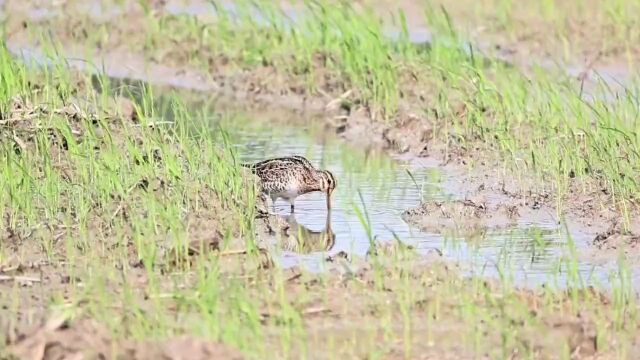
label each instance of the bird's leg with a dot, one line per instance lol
(273, 203)
(293, 206)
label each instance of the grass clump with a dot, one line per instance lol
(95, 189)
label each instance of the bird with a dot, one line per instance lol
(291, 176)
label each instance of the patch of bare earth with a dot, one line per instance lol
(461, 216)
(619, 236)
(59, 338)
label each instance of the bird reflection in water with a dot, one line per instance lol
(298, 238)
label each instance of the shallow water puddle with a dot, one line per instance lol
(371, 184)
(373, 192)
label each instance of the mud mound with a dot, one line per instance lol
(618, 236)
(84, 339)
(461, 215)
(410, 134)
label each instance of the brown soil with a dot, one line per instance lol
(619, 236)
(58, 339)
(461, 216)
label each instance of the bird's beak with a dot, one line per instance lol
(328, 199)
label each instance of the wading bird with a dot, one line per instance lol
(291, 176)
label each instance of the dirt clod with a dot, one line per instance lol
(461, 215)
(619, 236)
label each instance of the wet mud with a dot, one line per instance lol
(619, 236)
(462, 216)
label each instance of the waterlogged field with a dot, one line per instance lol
(486, 203)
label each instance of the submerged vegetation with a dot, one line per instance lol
(125, 206)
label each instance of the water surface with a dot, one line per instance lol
(374, 190)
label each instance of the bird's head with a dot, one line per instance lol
(327, 184)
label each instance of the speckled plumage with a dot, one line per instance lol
(291, 176)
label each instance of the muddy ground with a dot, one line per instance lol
(59, 338)
(493, 198)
